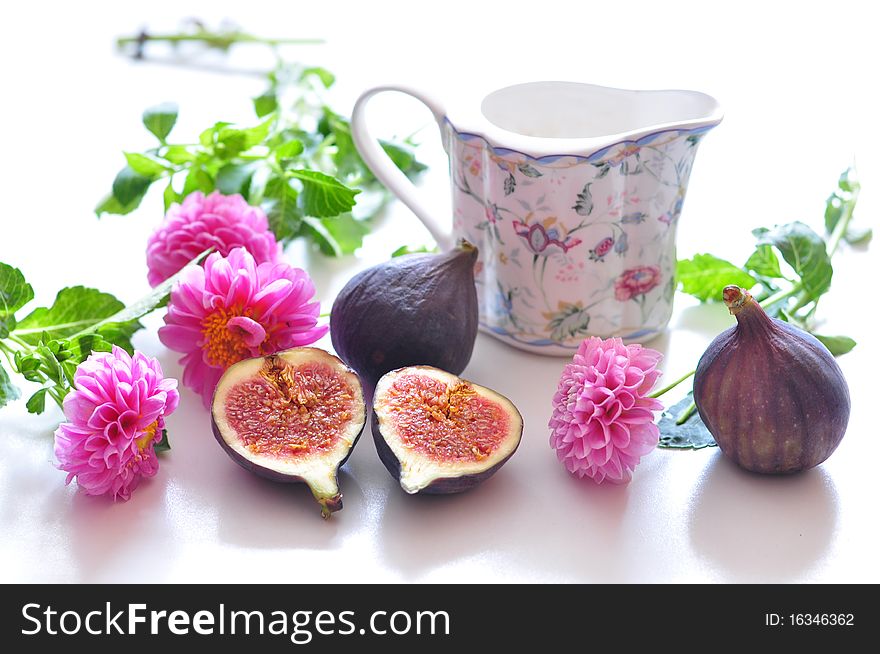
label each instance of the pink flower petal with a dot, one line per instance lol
(602, 421)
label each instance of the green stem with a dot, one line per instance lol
(781, 295)
(8, 353)
(830, 247)
(686, 414)
(213, 39)
(15, 339)
(59, 399)
(665, 389)
(842, 225)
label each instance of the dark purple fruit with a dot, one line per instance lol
(771, 394)
(437, 433)
(291, 417)
(411, 310)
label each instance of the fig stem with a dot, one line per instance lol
(329, 505)
(669, 387)
(686, 414)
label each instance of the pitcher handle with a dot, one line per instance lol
(387, 172)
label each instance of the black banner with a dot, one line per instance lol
(323, 618)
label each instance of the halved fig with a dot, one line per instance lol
(437, 433)
(291, 417)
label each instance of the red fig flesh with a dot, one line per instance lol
(771, 394)
(437, 433)
(291, 417)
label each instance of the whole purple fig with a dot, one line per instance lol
(417, 309)
(771, 394)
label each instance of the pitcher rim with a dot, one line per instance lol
(591, 156)
(468, 124)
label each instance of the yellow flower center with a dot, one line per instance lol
(224, 346)
(149, 435)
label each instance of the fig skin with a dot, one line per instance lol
(771, 394)
(445, 485)
(325, 488)
(442, 485)
(414, 309)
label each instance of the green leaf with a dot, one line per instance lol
(348, 161)
(322, 238)
(691, 435)
(15, 292)
(110, 333)
(834, 207)
(206, 138)
(843, 202)
(170, 196)
(410, 249)
(75, 309)
(234, 178)
(145, 165)
(837, 345)
(258, 133)
(849, 182)
(324, 196)
(50, 366)
(327, 78)
(347, 231)
(130, 186)
(404, 158)
(197, 179)
(336, 237)
(179, 154)
(8, 390)
(160, 119)
(37, 401)
(151, 301)
(764, 262)
(803, 250)
(288, 150)
(163, 445)
(705, 276)
(265, 103)
(80, 347)
(282, 208)
(232, 141)
(112, 206)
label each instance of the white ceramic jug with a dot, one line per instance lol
(572, 193)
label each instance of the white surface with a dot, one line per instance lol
(799, 93)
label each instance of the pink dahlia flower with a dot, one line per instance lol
(220, 221)
(233, 309)
(602, 422)
(116, 415)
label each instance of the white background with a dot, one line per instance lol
(799, 86)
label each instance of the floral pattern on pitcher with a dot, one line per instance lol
(572, 246)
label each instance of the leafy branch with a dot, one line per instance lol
(46, 345)
(298, 162)
(222, 39)
(792, 294)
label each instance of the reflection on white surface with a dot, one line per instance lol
(762, 528)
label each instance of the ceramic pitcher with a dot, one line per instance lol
(572, 193)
